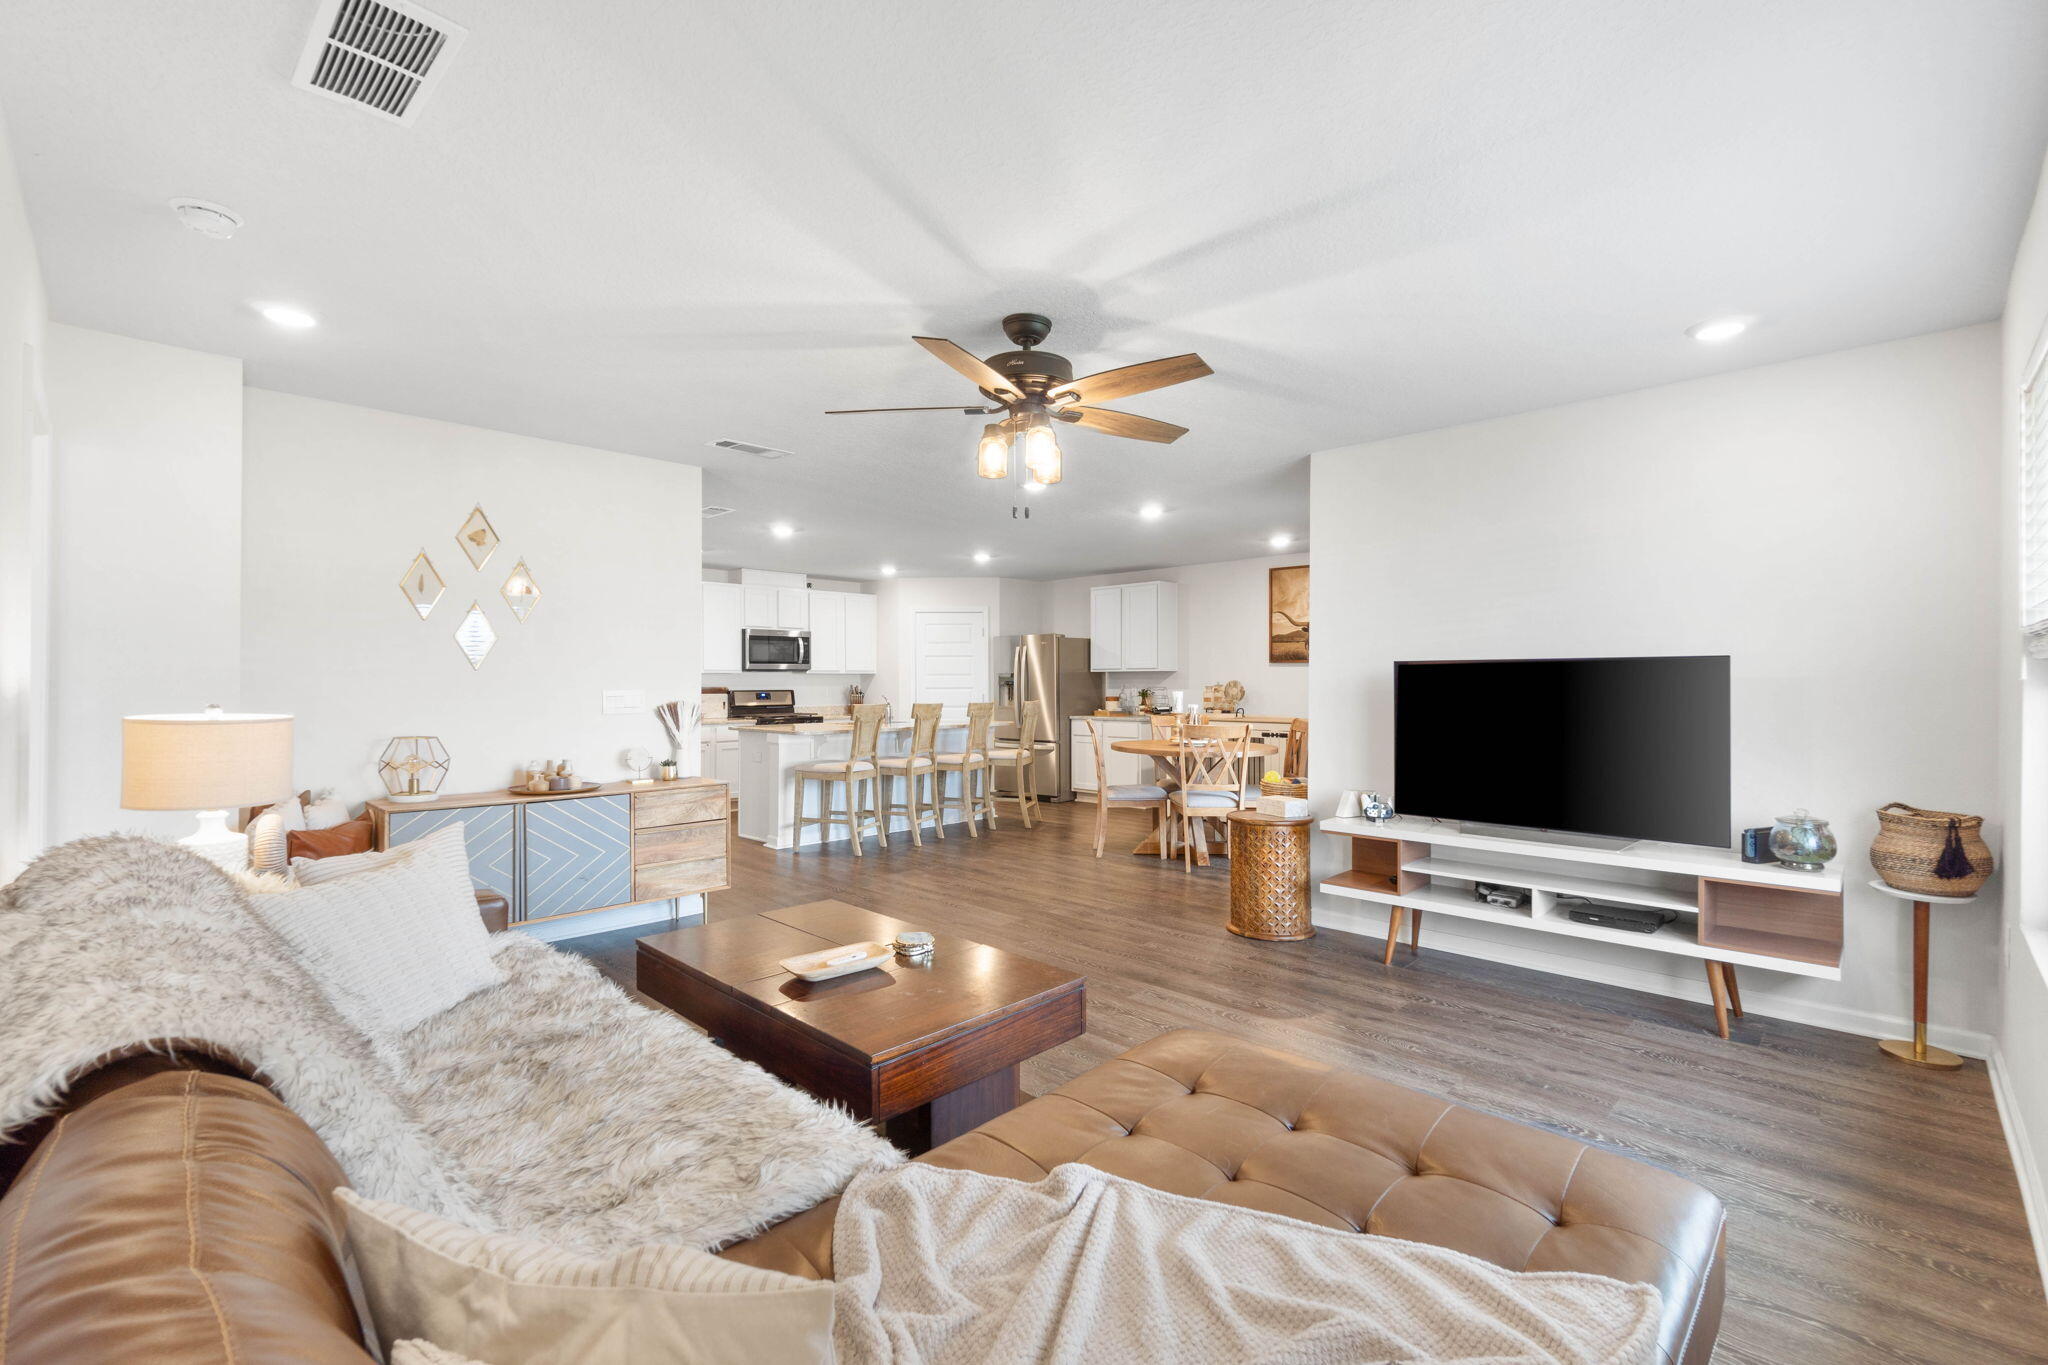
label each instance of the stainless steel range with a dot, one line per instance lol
(767, 706)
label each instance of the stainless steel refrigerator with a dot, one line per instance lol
(1052, 669)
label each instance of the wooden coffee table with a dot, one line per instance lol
(927, 1051)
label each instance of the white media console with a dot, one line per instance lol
(1729, 913)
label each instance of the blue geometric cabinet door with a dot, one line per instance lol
(579, 854)
(486, 831)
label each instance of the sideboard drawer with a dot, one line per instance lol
(658, 881)
(678, 808)
(679, 843)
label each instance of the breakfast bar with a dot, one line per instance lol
(769, 754)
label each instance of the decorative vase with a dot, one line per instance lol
(1930, 852)
(1802, 841)
(1348, 806)
(1376, 808)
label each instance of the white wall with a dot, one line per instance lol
(146, 549)
(1222, 631)
(338, 501)
(2021, 1070)
(1822, 522)
(24, 562)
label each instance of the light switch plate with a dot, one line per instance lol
(624, 703)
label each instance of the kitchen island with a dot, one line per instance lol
(769, 755)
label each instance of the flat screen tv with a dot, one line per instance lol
(1628, 748)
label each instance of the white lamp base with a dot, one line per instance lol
(216, 843)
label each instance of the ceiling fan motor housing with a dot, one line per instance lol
(1033, 372)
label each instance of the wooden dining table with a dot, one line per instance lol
(1165, 756)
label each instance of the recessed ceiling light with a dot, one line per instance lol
(217, 221)
(888, 571)
(285, 315)
(1151, 511)
(1280, 540)
(1716, 330)
(782, 530)
(982, 556)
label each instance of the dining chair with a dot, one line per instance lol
(1294, 763)
(1212, 778)
(917, 769)
(1022, 760)
(1128, 796)
(858, 769)
(971, 766)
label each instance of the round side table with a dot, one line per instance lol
(1917, 1051)
(1269, 876)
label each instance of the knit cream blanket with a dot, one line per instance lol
(947, 1267)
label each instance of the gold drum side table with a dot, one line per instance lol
(1269, 876)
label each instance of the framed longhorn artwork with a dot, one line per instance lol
(1287, 614)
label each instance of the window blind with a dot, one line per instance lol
(2034, 501)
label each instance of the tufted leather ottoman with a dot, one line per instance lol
(1201, 1114)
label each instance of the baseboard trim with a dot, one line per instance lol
(605, 921)
(1357, 918)
(2033, 1189)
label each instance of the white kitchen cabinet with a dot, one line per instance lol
(1105, 629)
(718, 754)
(1134, 628)
(759, 606)
(828, 632)
(724, 617)
(792, 608)
(862, 633)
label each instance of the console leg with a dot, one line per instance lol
(1719, 986)
(1415, 932)
(1734, 991)
(1394, 915)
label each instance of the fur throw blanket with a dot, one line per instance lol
(552, 1105)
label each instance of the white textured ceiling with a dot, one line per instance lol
(644, 225)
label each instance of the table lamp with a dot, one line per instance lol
(206, 762)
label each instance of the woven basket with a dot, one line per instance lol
(1295, 789)
(1931, 852)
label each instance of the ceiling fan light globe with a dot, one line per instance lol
(1042, 459)
(992, 456)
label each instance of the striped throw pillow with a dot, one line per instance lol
(496, 1297)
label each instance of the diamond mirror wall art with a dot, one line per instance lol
(474, 637)
(422, 585)
(520, 592)
(477, 537)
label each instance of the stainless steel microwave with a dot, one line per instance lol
(775, 651)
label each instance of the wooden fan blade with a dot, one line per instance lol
(1123, 424)
(1139, 378)
(946, 407)
(965, 363)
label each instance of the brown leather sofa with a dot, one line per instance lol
(177, 1211)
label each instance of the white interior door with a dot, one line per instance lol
(951, 666)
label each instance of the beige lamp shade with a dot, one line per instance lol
(205, 761)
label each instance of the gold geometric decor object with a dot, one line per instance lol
(474, 637)
(520, 592)
(413, 767)
(422, 584)
(477, 537)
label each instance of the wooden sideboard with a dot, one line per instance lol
(555, 856)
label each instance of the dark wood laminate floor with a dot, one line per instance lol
(1874, 1215)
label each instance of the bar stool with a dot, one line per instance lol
(857, 768)
(972, 766)
(915, 769)
(1023, 759)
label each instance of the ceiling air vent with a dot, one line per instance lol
(713, 510)
(380, 55)
(749, 448)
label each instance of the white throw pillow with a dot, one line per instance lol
(395, 945)
(521, 1302)
(267, 843)
(313, 871)
(323, 811)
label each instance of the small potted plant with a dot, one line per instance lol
(1144, 699)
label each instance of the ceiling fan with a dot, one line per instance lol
(1035, 389)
